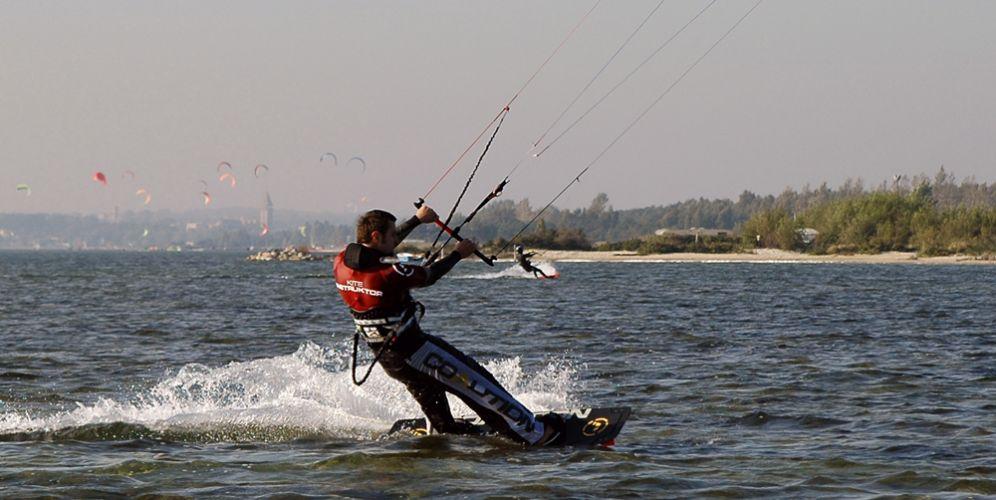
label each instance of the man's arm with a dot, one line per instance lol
(406, 227)
(464, 249)
(439, 268)
(420, 277)
(425, 276)
(424, 214)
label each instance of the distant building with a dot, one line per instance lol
(807, 235)
(230, 224)
(266, 213)
(695, 231)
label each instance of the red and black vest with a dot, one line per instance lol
(379, 294)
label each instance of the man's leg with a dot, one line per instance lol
(427, 391)
(540, 271)
(476, 387)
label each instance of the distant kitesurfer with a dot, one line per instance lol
(523, 260)
(377, 290)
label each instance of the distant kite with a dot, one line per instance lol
(256, 171)
(227, 176)
(202, 181)
(265, 231)
(128, 173)
(361, 161)
(145, 233)
(144, 192)
(24, 188)
(100, 177)
(334, 158)
(207, 198)
(224, 165)
(303, 230)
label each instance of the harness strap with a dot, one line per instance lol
(402, 323)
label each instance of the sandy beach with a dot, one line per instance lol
(761, 255)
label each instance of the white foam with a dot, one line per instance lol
(309, 390)
(513, 272)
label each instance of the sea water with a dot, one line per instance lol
(206, 375)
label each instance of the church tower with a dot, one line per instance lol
(266, 212)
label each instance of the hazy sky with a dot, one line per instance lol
(802, 92)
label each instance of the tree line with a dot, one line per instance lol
(933, 215)
(921, 220)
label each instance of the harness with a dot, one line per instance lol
(383, 331)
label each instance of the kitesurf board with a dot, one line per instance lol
(582, 427)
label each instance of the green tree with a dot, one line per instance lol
(775, 228)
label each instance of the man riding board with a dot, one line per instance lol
(523, 260)
(377, 290)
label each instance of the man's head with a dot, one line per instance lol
(519, 248)
(375, 229)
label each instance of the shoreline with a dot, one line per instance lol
(760, 256)
(765, 255)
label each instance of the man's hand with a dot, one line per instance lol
(426, 214)
(466, 248)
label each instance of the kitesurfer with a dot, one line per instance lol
(523, 260)
(376, 287)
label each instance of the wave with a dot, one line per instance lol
(304, 395)
(763, 419)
